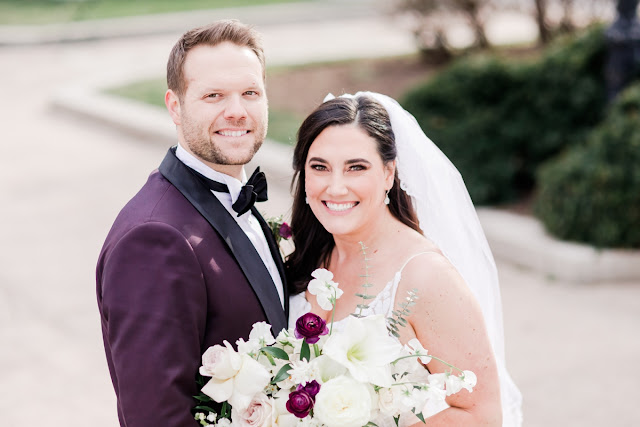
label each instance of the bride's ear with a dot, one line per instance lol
(389, 173)
(172, 102)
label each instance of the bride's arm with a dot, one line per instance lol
(449, 323)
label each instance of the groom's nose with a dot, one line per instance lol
(234, 108)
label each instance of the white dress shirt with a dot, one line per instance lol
(247, 222)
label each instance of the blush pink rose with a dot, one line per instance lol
(260, 413)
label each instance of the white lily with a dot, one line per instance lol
(365, 349)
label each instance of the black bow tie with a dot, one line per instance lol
(255, 190)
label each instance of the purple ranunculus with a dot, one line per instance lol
(311, 326)
(285, 231)
(300, 403)
(311, 387)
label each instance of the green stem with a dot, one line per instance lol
(448, 364)
(316, 350)
(433, 357)
(333, 312)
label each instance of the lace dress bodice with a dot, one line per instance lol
(384, 304)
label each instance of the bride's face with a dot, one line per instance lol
(346, 180)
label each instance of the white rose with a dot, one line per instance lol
(400, 399)
(387, 402)
(343, 402)
(261, 412)
(238, 390)
(220, 362)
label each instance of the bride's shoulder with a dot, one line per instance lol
(431, 271)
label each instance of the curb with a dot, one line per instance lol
(179, 22)
(522, 240)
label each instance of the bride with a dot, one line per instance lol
(365, 172)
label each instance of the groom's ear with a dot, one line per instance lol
(172, 101)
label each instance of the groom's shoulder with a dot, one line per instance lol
(157, 201)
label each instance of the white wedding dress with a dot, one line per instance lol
(383, 303)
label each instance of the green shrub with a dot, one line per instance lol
(497, 121)
(458, 110)
(591, 194)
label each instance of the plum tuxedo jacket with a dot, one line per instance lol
(175, 276)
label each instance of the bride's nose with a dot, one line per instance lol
(337, 185)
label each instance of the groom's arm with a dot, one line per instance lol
(154, 305)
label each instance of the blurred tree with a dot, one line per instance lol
(430, 31)
(541, 19)
(563, 15)
(566, 22)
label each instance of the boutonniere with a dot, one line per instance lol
(280, 230)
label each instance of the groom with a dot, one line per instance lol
(189, 262)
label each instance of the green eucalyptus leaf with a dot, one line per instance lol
(282, 374)
(276, 352)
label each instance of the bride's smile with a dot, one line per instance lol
(339, 207)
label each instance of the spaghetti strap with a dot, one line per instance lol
(396, 281)
(412, 257)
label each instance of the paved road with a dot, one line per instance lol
(63, 180)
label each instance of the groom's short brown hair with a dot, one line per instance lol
(227, 30)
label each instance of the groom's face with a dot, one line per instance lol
(222, 116)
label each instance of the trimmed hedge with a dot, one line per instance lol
(591, 194)
(497, 121)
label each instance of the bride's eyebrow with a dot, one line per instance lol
(316, 159)
(352, 161)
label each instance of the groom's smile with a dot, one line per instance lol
(232, 133)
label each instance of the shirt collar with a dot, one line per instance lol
(196, 164)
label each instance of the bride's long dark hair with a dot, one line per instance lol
(314, 244)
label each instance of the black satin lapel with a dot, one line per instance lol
(243, 250)
(275, 253)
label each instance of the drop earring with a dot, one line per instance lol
(386, 197)
(306, 199)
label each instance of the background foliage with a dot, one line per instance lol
(498, 121)
(591, 193)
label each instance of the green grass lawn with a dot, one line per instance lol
(20, 12)
(283, 125)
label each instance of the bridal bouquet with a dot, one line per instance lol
(311, 375)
